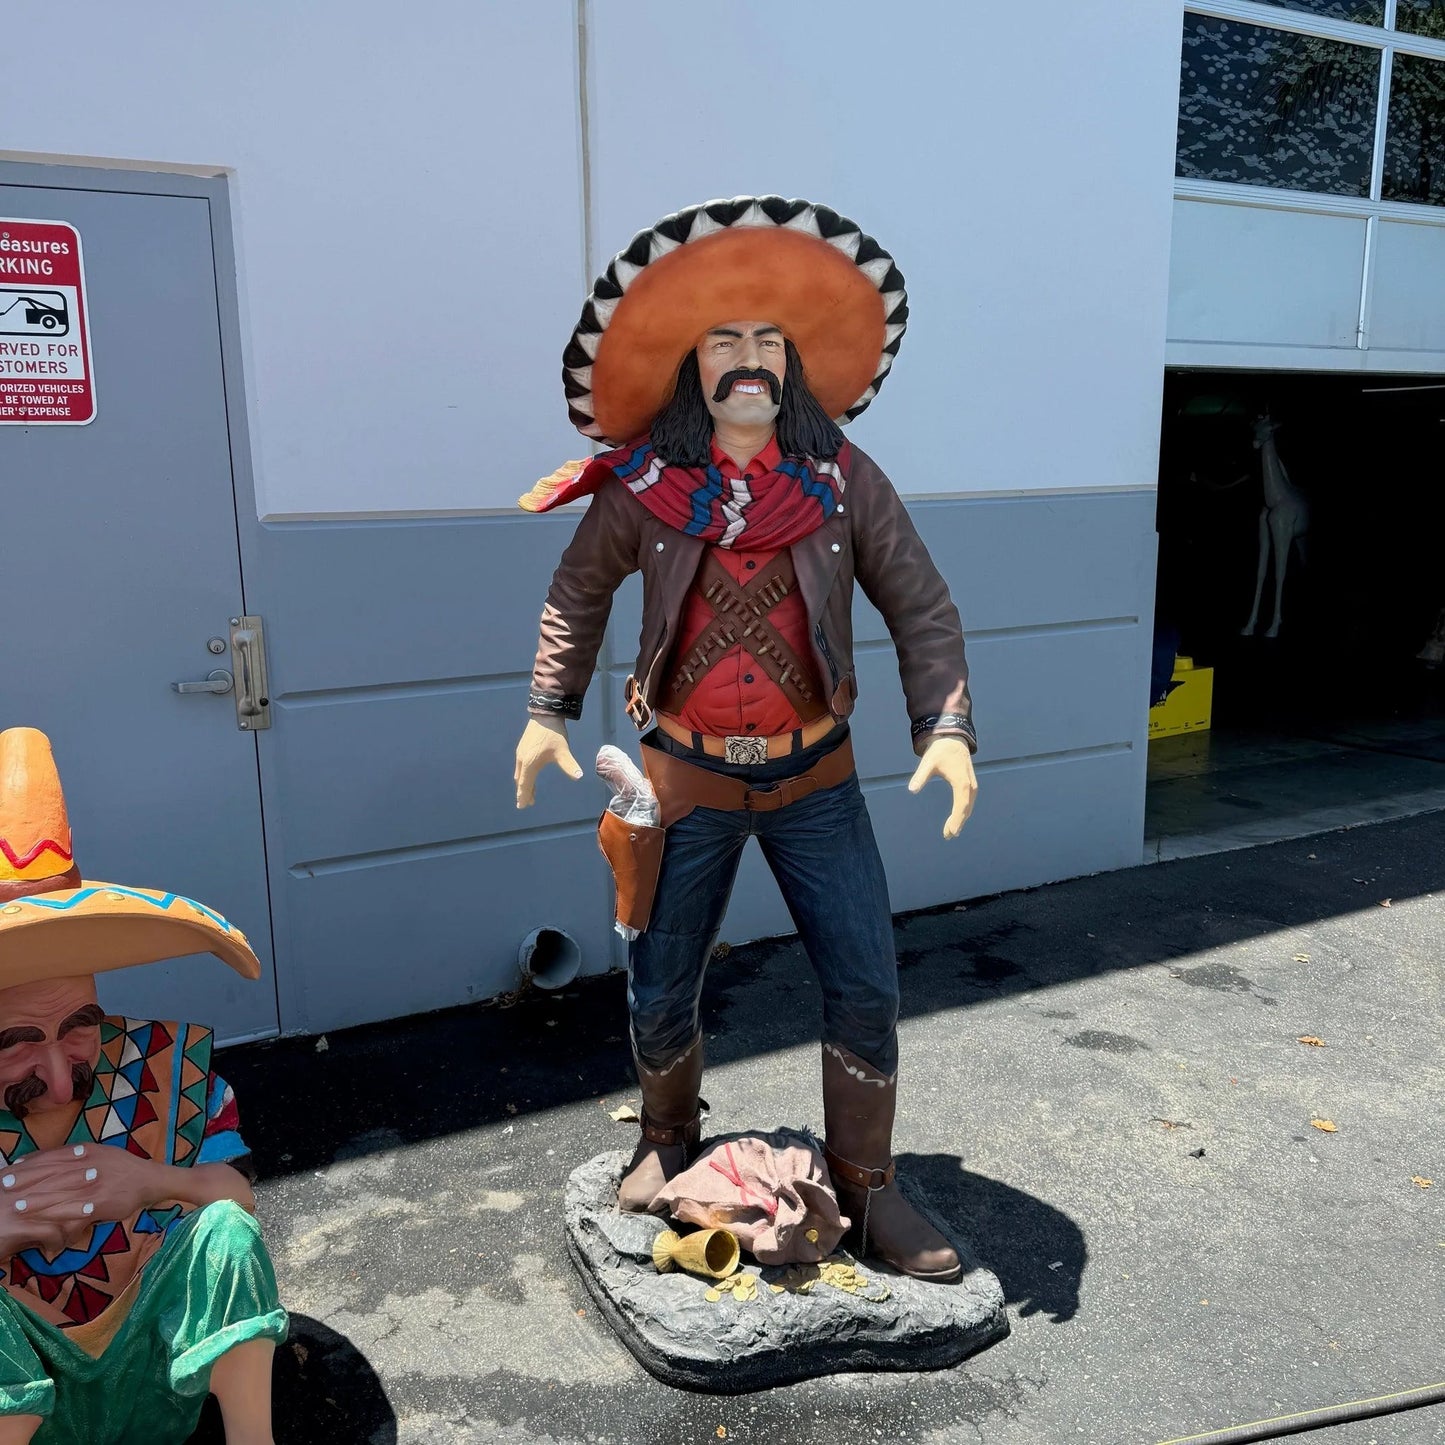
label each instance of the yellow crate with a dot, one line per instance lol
(1187, 709)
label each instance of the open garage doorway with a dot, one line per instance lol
(1330, 711)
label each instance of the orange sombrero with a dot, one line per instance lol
(53, 924)
(834, 290)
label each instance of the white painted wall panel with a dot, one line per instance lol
(1254, 276)
(407, 196)
(408, 205)
(1408, 307)
(1020, 174)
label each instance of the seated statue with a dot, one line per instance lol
(135, 1279)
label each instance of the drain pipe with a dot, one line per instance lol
(550, 958)
(1297, 1424)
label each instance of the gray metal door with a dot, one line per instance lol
(119, 561)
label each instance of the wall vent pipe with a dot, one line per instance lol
(550, 958)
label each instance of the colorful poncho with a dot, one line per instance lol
(154, 1094)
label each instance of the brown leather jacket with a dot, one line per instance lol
(870, 537)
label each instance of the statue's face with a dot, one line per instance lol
(49, 1044)
(742, 364)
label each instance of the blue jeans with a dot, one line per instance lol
(822, 852)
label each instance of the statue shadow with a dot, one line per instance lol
(1037, 1251)
(322, 1388)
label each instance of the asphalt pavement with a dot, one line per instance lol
(1191, 1114)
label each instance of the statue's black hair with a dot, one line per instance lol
(682, 432)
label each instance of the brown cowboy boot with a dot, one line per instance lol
(858, 1105)
(671, 1126)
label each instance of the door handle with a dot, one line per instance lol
(219, 681)
(249, 700)
(248, 657)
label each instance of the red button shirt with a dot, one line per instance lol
(735, 697)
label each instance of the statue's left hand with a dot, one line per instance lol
(949, 759)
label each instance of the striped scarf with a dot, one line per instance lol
(773, 511)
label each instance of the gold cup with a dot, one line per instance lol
(712, 1253)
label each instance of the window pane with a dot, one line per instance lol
(1362, 12)
(1415, 135)
(1267, 108)
(1422, 17)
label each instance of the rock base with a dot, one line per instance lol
(730, 1346)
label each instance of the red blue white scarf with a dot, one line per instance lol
(777, 510)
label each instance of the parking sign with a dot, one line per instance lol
(45, 368)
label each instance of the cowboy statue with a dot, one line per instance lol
(135, 1280)
(717, 356)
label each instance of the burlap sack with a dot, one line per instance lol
(770, 1190)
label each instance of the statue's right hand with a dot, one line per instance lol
(25, 1228)
(544, 741)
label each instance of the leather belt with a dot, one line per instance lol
(780, 745)
(682, 786)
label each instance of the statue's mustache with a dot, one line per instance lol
(749, 373)
(20, 1096)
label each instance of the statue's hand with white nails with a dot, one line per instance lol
(22, 1227)
(52, 1198)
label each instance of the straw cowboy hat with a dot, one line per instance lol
(53, 924)
(834, 291)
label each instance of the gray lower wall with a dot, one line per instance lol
(403, 878)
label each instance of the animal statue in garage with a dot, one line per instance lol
(134, 1276)
(1284, 521)
(714, 359)
(1433, 652)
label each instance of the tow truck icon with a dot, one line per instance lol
(32, 313)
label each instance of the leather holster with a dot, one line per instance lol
(634, 851)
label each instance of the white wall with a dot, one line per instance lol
(1020, 174)
(407, 203)
(407, 188)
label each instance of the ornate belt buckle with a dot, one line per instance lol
(745, 750)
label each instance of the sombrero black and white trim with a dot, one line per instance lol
(698, 222)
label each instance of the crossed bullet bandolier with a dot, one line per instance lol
(743, 617)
